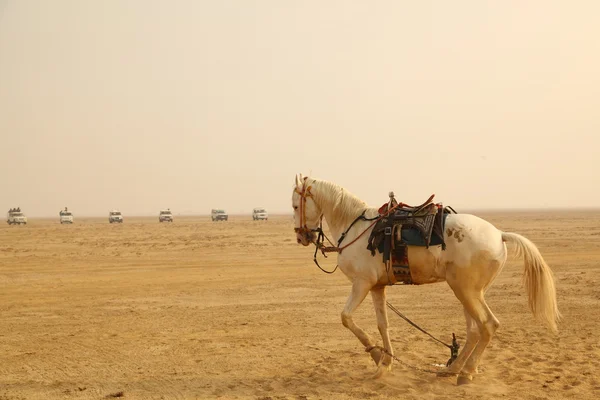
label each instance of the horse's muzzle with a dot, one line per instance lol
(305, 238)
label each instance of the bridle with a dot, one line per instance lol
(303, 229)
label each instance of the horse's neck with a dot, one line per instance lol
(340, 208)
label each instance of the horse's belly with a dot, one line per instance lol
(425, 265)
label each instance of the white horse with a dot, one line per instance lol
(475, 253)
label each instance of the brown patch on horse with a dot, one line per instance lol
(458, 235)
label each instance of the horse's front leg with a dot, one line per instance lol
(360, 289)
(378, 296)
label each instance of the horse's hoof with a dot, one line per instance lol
(382, 371)
(464, 379)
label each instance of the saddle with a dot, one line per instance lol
(406, 225)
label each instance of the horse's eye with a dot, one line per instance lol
(295, 207)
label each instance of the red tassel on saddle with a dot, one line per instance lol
(383, 209)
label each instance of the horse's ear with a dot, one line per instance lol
(298, 180)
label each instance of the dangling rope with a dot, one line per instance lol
(453, 347)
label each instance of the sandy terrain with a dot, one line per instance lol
(195, 310)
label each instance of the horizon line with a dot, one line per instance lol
(466, 211)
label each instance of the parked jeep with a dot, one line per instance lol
(260, 213)
(16, 217)
(165, 216)
(115, 216)
(66, 217)
(218, 215)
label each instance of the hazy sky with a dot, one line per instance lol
(140, 105)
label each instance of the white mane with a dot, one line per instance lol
(342, 206)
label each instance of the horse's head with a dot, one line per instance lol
(307, 214)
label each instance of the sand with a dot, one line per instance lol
(237, 310)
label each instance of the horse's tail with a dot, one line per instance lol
(538, 279)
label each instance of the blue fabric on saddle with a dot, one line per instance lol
(412, 237)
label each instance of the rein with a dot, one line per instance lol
(338, 249)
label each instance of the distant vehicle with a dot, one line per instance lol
(115, 217)
(260, 213)
(66, 217)
(165, 216)
(16, 217)
(218, 215)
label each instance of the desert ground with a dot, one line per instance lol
(237, 310)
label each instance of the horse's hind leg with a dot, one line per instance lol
(359, 292)
(378, 296)
(489, 326)
(487, 323)
(473, 336)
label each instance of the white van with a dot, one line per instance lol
(218, 215)
(16, 217)
(115, 216)
(66, 217)
(260, 213)
(165, 216)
